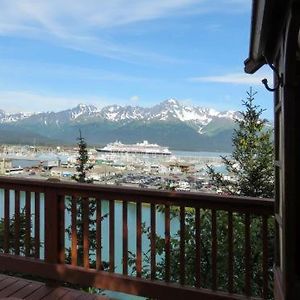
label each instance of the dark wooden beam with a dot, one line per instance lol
(259, 206)
(110, 281)
(267, 24)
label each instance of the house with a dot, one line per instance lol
(5, 164)
(275, 42)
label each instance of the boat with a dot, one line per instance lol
(183, 186)
(139, 148)
(12, 171)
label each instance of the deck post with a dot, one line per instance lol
(53, 221)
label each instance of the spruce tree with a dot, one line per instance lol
(82, 165)
(250, 165)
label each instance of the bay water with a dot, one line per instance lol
(160, 227)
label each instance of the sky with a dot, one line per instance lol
(56, 54)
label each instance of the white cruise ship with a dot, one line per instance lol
(139, 148)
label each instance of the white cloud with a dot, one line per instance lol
(134, 99)
(61, 17)
(62, 71)
(234, 78)
(16, 101)
(79, 24)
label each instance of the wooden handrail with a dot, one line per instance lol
(54, 194)
(190, 199)
(127, 284)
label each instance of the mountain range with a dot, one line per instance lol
(169, 123)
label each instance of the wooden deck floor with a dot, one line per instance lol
(15, 288)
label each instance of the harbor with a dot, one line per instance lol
(141, 165)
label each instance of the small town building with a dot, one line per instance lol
(5, 164)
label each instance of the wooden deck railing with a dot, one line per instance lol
(216, 247)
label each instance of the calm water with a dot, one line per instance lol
(199, 154)
(105, 223)
(35, 162)
(105, 229)
(118, 214)
(25, 163)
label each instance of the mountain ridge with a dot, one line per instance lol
(168, 110)
(167, 122)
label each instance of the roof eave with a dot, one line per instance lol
(252, 65)
(256, 59)
(266, 25)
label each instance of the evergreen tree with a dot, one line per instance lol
(22, 234)
(251, 162)
(83, 165)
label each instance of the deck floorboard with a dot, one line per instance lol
(12, 289)
(19, 288)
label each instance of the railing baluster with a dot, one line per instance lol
(53, 241)
(138, 240)
(74, 253)
(153, 241)
(27, 223)
(54, 244)
(6, 221)
(230, 253)
(86, 246)
(214, 246)
(182, 245)
(167, 243)
(198, 248)
(111, 236)
(37, 225)
(61, 228)
(98, 235)
(55, 234)
(265, 256)
(17, 222)
(51, 226)
(125, 238)
(247, 256)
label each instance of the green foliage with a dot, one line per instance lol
(251, 161)
(11, 234)
(252, 166)
(83, 165)
(216, 135)
(79, 230)
(206, 251)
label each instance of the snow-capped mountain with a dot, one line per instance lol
(166, 123)
(169, 110)
(172, 109)
(62, 117)
(14, 117)
(117, 113)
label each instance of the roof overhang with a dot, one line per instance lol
(266, 25)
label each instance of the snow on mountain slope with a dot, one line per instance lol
(15, 117)
(169, 110)
(117, 113)
(81, 110)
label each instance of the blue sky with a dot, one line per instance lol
(56, 54)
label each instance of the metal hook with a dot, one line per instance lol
(278, 80)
